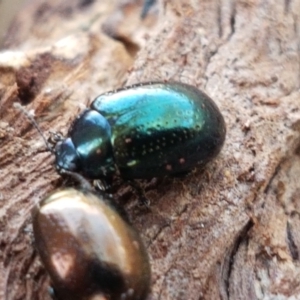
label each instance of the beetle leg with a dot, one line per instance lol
(101, 185)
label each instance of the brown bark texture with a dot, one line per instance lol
(230, 231)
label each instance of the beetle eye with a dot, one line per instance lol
(66, 155)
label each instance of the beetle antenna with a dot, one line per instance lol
(34, 123)
(84, 184)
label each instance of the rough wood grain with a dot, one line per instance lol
(228, 232)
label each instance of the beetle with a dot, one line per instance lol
(143, 131)
(89, 248)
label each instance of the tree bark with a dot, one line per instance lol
(227, 232)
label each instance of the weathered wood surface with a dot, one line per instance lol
(230, 232)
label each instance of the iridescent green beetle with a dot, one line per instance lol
(143, 131)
